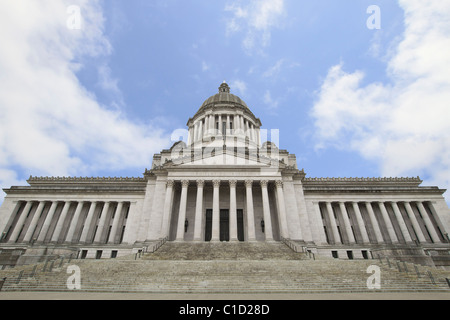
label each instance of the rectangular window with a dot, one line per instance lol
(98, 255)
(334, 254)
(113, 254)
(350, 255)
(365, 255)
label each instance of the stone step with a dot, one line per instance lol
(225, 251)
(253, 276)
(223, 268)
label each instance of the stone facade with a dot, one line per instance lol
(225, 185)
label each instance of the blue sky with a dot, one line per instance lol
(101, 99)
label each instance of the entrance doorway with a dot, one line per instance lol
(208, 225)
(224, 225)
(240, 224)
(224, 232)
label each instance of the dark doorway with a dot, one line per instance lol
(224, 225)
(240, 224)
(208, 225)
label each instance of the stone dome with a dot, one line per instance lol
(224, 96)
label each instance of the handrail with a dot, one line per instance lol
(398, 262)
(153, 248)
(298, 248)
(47, 266)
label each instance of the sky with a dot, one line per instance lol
(356, 88)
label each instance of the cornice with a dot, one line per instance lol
(383, 180)
(83, 180)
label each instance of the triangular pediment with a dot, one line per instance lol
(224, 158)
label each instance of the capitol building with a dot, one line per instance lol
(224, 183)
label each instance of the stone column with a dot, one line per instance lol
(200, 131)
(47, 222)
(414, 222)
(182, 212)
(266, 211)
(23, 216)
(334, 227)
(88, 222)
(437, 218)
(361, 225)
(228, 125)
(233, 211)
(282, 209)
(165, 226)
(196, 132)
(115, 224)
(60, 224)
(250, 211)
(206, 129)
(348, 226)
(374, 222)
(34, 221)
(258, 136)
(73, 224)
(388, 222)
(401, 222)
(428, 223)
(199, 211)
(101, 224)
(216, 212)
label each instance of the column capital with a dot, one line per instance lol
(216, 183)
(200, 183)
(279, 183)
(264, 183)
(185, 183)
(233, 183)
(248, 183)
(170, 183)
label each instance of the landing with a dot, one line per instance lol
(225, 251)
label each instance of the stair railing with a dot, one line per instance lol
(401, 263)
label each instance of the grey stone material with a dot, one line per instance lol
(225, 184)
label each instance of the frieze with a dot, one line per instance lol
(416, 180)
(84, 179)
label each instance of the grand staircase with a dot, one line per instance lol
(225, 268)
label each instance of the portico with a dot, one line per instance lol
(225, 210)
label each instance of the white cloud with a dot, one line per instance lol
(256, 18)
(272, 104)
(49, 123)
(240, 86)
(404, 126)
(274, 70)
(205, 66)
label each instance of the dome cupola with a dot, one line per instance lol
(224, 115)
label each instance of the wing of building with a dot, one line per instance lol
(223, 184)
